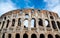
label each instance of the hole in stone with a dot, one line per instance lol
(50, 36)
(42, 36)
(47, 24)
(40, 22)
(25, 23)
(33, 36)
(26, 16)
(33, 23)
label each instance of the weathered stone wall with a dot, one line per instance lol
(9, 24)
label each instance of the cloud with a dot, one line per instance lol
(28, 2)
(27, 6)
(53, 5)
(6, 6)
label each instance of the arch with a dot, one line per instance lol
(25, 36)
(50, 36)
(7, 23)
(58, 23)
(32, 11)
(57, 36)
(26, 16)
(53, 24)
(4, 18)
(26, 23)
(19, 22)
(3, 36)
(33, 22)
(13, 22)
(33, 36)
(21, 12)
(42, 36)
(9, 35)
(47, 23)
(40, 22)
(17, 36)
(51, 17)
(0, 23)
(38, 11)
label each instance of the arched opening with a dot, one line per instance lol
(42, 36)
(57, 36)
(7, 23)
(21, 12)
(40, 22)
(33, 23)
(17, 36)
(9, 35)
(25, 36)
(50, 36)
(26, 16)
(13, 22)
(32, 11)
(51, 17)
(19, 22)
(4, 18)
(58, 23)
(38, 11)
(3, 36)
(53, 25)
(0, 23)
(47, 24)
(26, 23)
(33, 36)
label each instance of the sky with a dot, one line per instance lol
(50, 5)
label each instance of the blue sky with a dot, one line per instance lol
(29, 3)
(8, 5)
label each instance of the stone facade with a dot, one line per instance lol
(41, 24)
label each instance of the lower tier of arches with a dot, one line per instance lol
(29, 35)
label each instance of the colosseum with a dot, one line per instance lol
(29, 23)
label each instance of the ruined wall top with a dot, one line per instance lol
(30, 11)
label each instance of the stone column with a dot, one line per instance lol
(51, 25)
(54, 36)
(46, 36)
(22, 24)
(29, 36)
(1, 35)
(44, 25)
(6, 35)
(21, 35)
(43, 22)
(29, 24)
(1, 24)
(37, 26)
(38, 36)
(13, 35)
